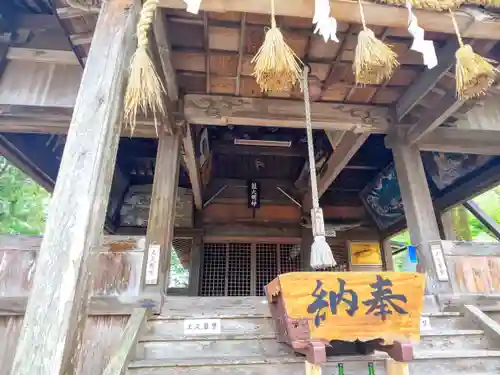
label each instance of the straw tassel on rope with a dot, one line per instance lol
(474, 74)
(374, 61)
(277, 67)
(144, 89)
(321, 254)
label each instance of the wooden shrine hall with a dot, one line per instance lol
(218, 188)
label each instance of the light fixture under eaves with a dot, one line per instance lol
(259, 142)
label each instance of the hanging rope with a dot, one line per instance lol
(321, 254)
(145, 90)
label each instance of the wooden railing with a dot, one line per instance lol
(460, 272)
(119, 361)
(117, 272)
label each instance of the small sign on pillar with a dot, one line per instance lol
(153, 264)
(253, 194)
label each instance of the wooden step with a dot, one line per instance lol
(156, 347)
(241, 325)
(177, 307)
(477, 362)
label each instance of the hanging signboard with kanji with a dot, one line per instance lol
(351, 306)
(253, 194)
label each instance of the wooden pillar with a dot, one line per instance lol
(418, 206)
(387, 260)
(447, 225)
(55, 315)
(305, 249)
(160, 230)
(420, 216)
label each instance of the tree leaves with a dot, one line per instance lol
(23, 203)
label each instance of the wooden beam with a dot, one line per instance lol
(483, 217)
(54, 120)
(192, 166)
(81, 38)
(348, 12)
(165, 52)
(42, 56)
(427, 80)
(347, 148)
(160, 229)
(464, 141)
(56, 313)
(470, 188)
(118, 363)
(335, 137)
(434, 117)
(227, 110)
(419, 209)
(232, 149)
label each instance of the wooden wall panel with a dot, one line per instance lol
(40, 84)
(472, 274)
(118, 265)
(101, 339)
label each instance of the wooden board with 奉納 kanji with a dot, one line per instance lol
(351, 306)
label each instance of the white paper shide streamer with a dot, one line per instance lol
(425, 47)
(326, 25)
(193, 6)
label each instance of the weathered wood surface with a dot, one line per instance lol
(100, 340)
(419, 210)
(466, 141)
(482, 117)
(471, 249)
(347, 11)
(162, 214)
(40, 84)
(137, 201)
(483, 321)
(346, 149)
(427, 80)
(192, 165)
(348, 314)
(118, 263)
(440, 362)
(226, 110)
(125, 351)
(56, 314)
(474, 274)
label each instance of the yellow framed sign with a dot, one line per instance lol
(365, 253)
(353, 306)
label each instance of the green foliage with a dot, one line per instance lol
(23, 203)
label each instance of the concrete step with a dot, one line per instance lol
(484, 362)
(241, 324)
(156, 347)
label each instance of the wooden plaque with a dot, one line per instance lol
(353, 306)
(365, 253)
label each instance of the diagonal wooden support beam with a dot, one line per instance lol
(55, 316)
(165, 51)
(192, 166)
(427, 80)
(434, 117)
(346, 149)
